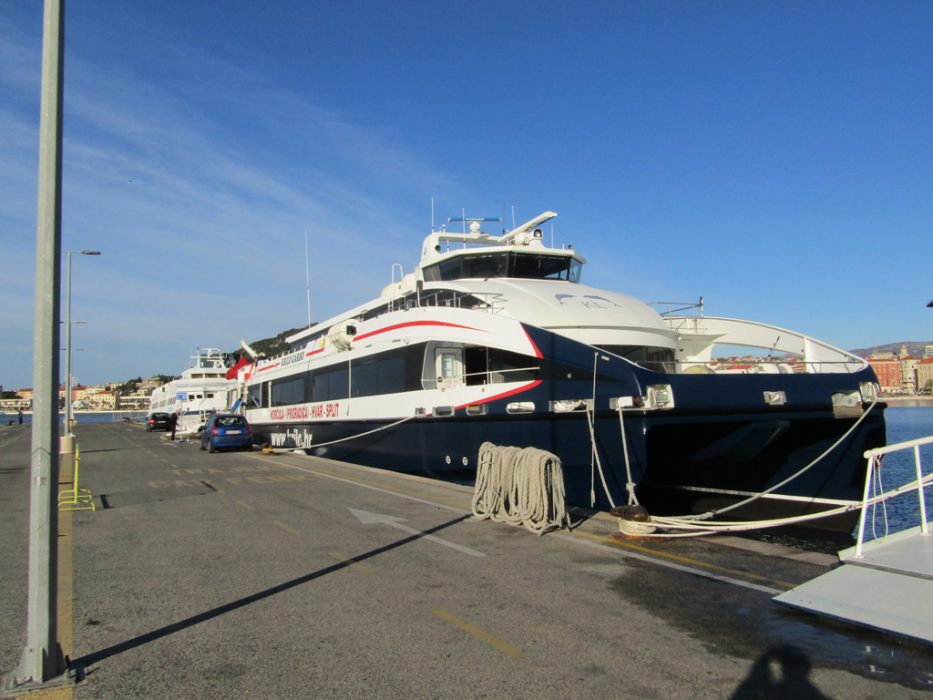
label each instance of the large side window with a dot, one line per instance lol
(365, 377)
(389, 372)
(288, 391)
(495, 366)
(331, 383)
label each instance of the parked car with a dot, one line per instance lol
(224, 430)
(158, 421)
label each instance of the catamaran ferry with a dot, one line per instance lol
(496, 338)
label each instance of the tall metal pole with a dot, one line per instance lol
(67, 445)
(42, 658)
(307, 278)
(66, 431)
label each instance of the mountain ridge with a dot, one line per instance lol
(915, 348)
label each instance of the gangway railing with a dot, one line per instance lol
(873, 458)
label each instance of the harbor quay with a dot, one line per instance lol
(253, 575)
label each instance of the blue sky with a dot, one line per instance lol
(774, 157)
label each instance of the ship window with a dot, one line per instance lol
(496, 366)
(389, 372)
(331, 384)
(288, 391)
(490, 265)
(658, 359)
(505, 264)
(254, 397)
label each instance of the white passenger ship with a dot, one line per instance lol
(495, 338)
(202, 389)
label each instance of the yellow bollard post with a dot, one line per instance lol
(69, 499)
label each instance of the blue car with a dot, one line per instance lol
(226, 430)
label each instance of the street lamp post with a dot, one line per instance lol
(67, 446)
(42, 659)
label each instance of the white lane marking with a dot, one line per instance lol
(367, 518)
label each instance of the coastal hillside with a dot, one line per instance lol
(914, 348)
(275, 345)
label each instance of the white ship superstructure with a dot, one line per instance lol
(202, 389)
(494, 338)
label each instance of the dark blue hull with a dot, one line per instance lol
(721, 439)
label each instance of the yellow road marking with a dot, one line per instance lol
(358, 566)
(478, 633)
(245, 505)
(680, 558)
(288, 528)
(64, 591)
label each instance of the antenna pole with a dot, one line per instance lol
(432, 213)
(307, 278)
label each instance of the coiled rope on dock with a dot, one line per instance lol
(520, 486)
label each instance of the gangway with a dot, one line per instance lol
(885, 584)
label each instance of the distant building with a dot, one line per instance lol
(137, 401)
(909, 374)
(102, 400)
(887, 368)
(925, 375)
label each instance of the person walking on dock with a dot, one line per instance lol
(172, 424)
(19, 414)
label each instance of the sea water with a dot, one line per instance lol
(903, 423)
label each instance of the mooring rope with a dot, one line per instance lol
(314, 446)
(520, 486)
(702, 524)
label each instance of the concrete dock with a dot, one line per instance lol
(245, 575)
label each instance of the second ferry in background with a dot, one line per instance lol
(495, 338)
(202, 389)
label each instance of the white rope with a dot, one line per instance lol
(590, 422)
(593, 456)
(877, 487)
(775, 487)
(629, 482)
(354, 437)
(701, 524)
(520, 487)
(698, 528)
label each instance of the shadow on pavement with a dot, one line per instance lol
(83, 662)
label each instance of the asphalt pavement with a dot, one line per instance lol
(247, 575)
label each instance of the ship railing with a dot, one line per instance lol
(873, 458)
(765, 365)
(677, 307)
(501, 376)
(446, 299)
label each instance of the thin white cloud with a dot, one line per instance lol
(190, 216)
